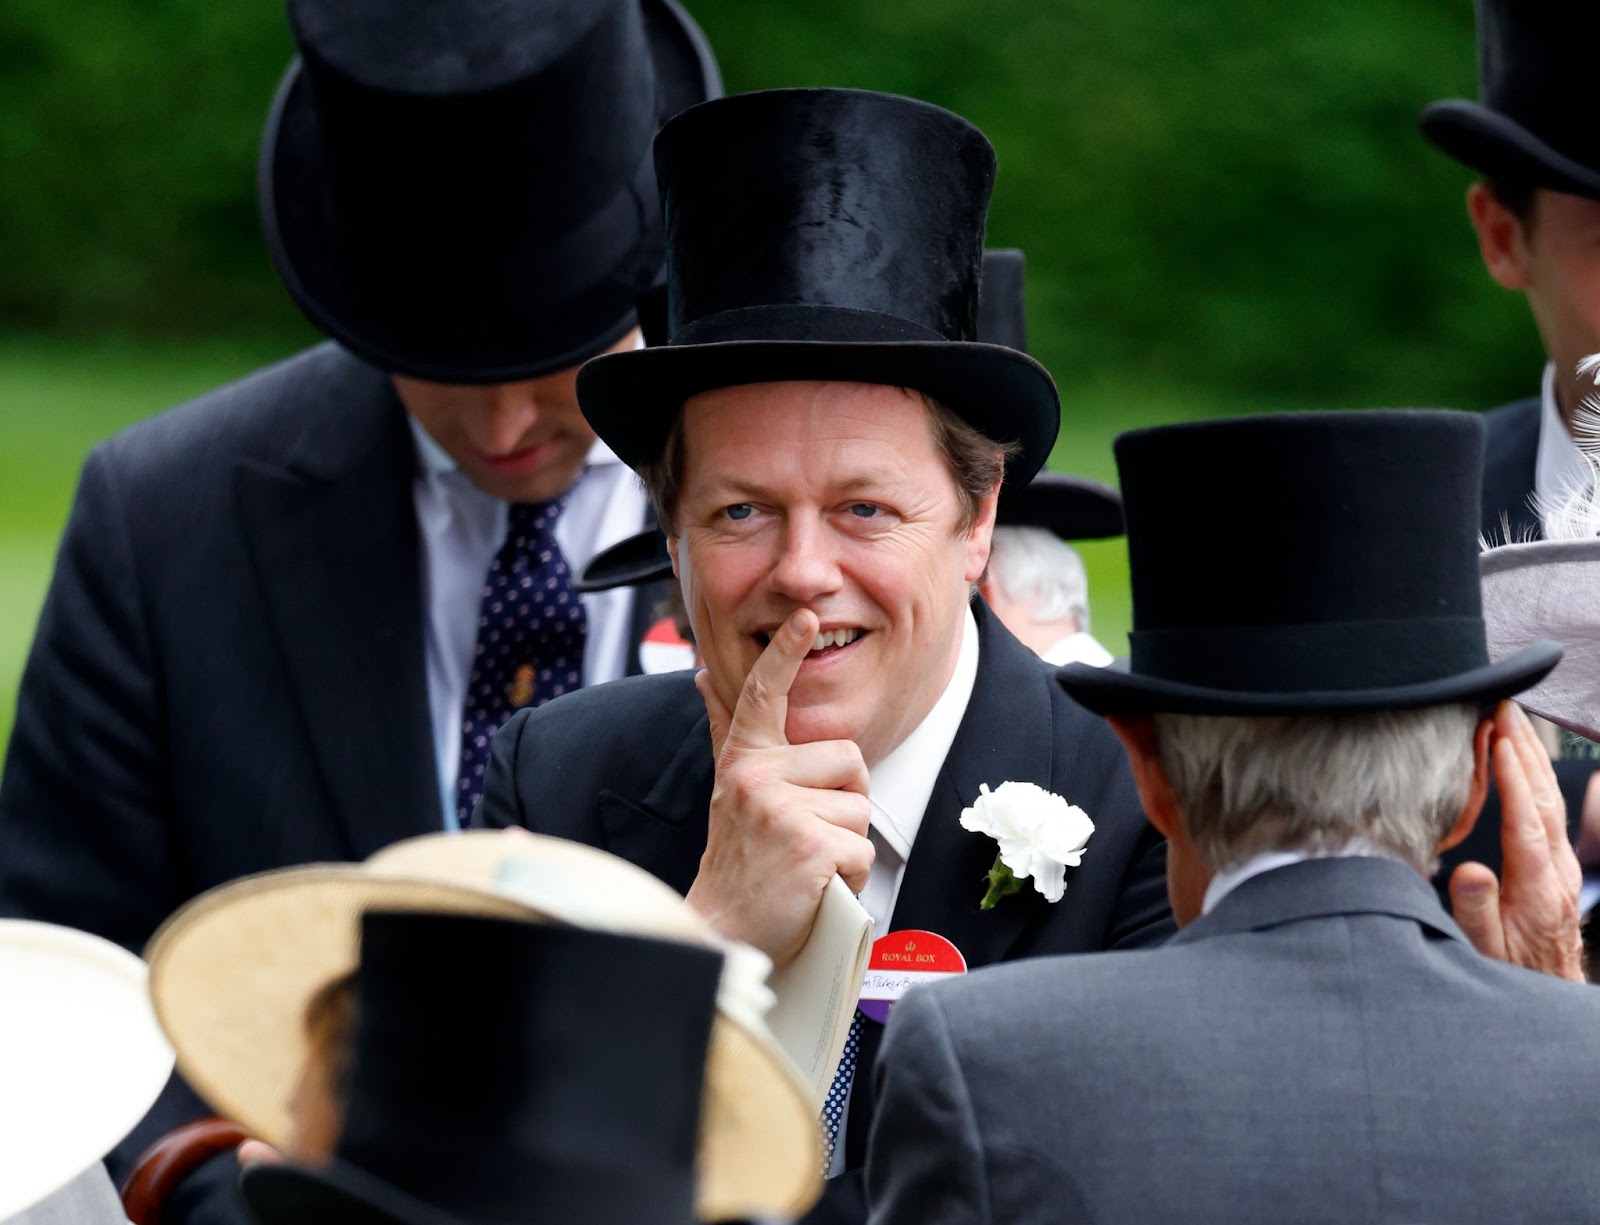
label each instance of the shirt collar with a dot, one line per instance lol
(1226, 881)
(899, 786)
(1559, 467)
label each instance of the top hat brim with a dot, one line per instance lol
(79, 1044)
(1116, 691)
(632, 561)
(236, 1020)
(319, 268)
(632, 399)
(1498, 147)
(1070, 507)
(1550, 589)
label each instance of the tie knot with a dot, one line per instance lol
(528, 521)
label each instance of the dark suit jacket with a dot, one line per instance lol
(228, 673)
(1510, 455)
(1296, 1055)
(628, 767)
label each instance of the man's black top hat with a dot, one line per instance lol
(1071, 507)
(1342, 574)
(500, 1072)
(1537, 120)
(823, 234)
(463, 191)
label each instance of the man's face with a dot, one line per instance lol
(521, 442)
(832, 497)
(1556, 261)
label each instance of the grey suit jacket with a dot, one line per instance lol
(1323, 1047)
(89, 1199)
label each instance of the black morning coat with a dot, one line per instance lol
(228, 674)
(627, 767)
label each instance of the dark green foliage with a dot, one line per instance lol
(1215, 193)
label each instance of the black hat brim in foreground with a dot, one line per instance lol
(632, 399)
(1499, 147)
(1113, 691)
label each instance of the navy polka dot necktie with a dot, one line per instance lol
(531, 628)
(839, 1093)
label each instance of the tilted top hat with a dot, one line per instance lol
(501, 1072)
(1071, 507)
(461, 190)
(232, 973)
(823, 234)
(1358, 587)
(1538, 115)
(81, 1056)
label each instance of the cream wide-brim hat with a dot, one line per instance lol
(1549, 589)
(232, 972)
(81, 1056)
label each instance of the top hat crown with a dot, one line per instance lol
(570, 1111)
(1537, 120)
(1358, 591)
(462, 191)
(847, 246)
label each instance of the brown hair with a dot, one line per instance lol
(976, 462)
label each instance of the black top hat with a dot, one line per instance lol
(1539, 118)
(463, 192)
(826, 234)
(1358, 589)
(1071, 507)
(557, 1102)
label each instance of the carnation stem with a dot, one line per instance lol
(1001, 884)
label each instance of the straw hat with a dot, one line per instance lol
(81, 1056)
(232, 972)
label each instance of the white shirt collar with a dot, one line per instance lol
(1226, 881)
(899, 786)
(1559, 466)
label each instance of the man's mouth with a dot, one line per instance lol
(827, 642)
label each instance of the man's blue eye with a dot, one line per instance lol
(863, 510)
(742, 510)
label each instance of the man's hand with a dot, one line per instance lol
(1530, 919)
(785, 818)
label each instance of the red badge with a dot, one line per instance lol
(902, 960)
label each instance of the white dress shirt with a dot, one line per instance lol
(461, 529)
(1079, 648)
(1559, 467)
(1225, 882)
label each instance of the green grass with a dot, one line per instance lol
(59, 397)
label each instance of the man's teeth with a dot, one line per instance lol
(834, 638)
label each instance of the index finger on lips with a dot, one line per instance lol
(763, 707)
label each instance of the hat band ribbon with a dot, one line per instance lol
(1333, 656)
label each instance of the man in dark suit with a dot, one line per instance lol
(1307, 746)
(1534, 138)
(287, 617)
(825, 443)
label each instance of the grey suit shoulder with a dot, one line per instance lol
(1301, 1067)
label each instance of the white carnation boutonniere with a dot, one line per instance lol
(1040, 837)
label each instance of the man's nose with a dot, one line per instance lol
(510, 410)
(808, 566)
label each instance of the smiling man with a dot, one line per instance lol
(825, 443)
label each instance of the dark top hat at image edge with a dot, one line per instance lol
(464, 193)
(574, 1111)
(1537, 118)
(1359, 589)
(847, 247)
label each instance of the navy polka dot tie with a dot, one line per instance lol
(530, 639)
(839, 1094)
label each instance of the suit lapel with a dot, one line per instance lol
(1510, 463)
(333, 537)
(665, 832)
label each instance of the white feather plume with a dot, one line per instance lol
(1573, 513)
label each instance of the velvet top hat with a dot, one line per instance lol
(501, 1071)
(232, 974)
(823, 234)
(1346, 578)
(1537, 119)
(463, 191)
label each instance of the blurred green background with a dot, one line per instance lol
(1226, 207)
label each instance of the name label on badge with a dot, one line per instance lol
(903, 960)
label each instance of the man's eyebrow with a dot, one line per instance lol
(734, 486)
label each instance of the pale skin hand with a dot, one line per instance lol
(1531, 918)
(785, 818)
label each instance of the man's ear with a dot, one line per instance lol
(981, 538)
(1481, 741)
(1502, 241)
(1138, 736)
(672, 552)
